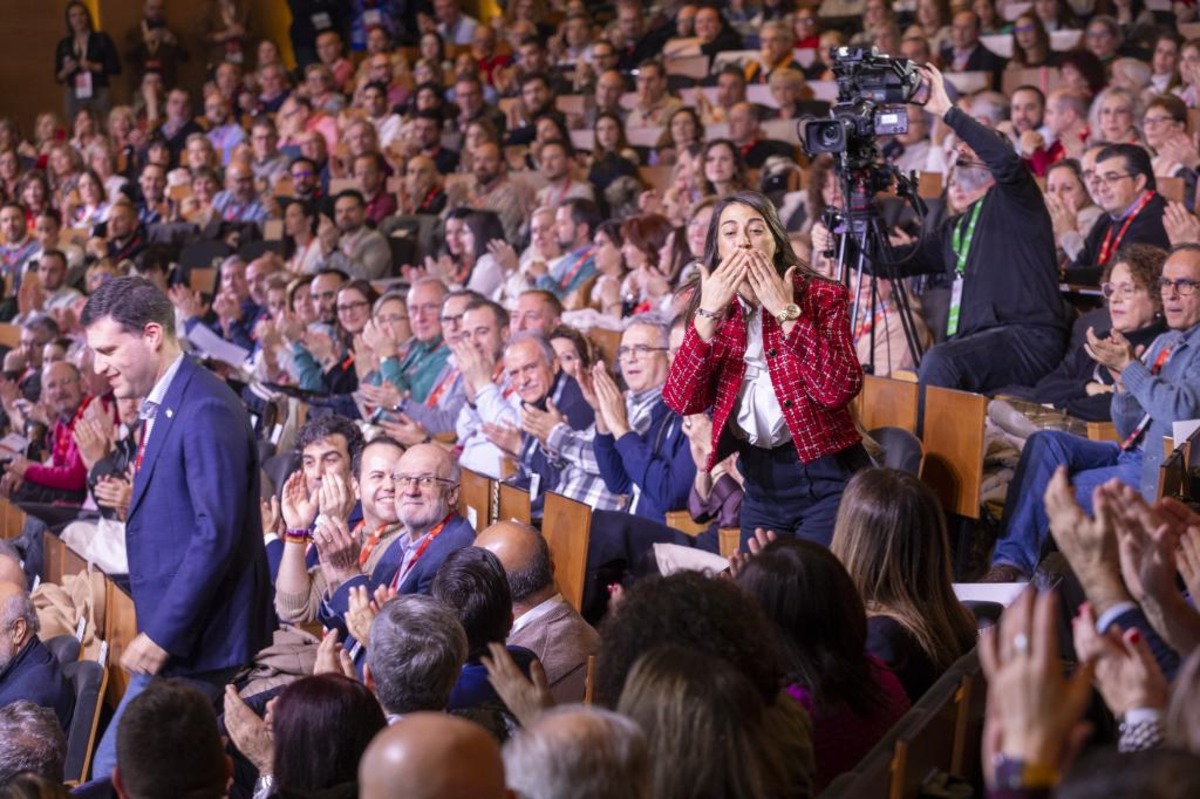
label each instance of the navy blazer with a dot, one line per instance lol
(197, 565)
(659, 463)
(457, 534)
(34, 674)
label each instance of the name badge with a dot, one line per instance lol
(321, 20)
(83, 85)
(955, 306)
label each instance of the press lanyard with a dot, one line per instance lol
(962, 248)
(1109, 246)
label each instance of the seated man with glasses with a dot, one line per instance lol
(1153, 391)
(425, 482)
(1133, 211)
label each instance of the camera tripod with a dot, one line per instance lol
(864, 237)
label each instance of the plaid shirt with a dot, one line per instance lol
(814, 369)
(575, 451)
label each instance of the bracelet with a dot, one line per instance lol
(297, 536)
(710, 314)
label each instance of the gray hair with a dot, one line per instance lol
(20, 606)
(399, 295)
(650, 319)
(585, 753)
(31, 742)
(528, 335)
(416, 651)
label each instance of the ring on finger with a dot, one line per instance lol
(1020, 643)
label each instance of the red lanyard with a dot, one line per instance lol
(404, 569)
(1109, 246)
(372, 540)
(1137, 432)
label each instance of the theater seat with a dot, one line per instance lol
(901, 449)
(65, 648)
(87, 678)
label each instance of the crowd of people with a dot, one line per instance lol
(532, 249)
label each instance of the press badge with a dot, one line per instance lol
(955, 306)
(83, 84)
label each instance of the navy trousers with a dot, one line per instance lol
(794, 498)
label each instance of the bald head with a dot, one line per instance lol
(525, 556)
(432, 756)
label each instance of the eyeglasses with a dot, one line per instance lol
(352, 306)
(1124, 289)
(1185, 287)
(423, 481)
(447, 319)
(1153, 122)
(390, 317)
(640, 350)
(1023, 29)
(1109, 179)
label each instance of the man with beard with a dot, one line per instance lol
(301, 585)
(426, 481)
(493, 190)
(28, 670)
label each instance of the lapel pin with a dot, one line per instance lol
(170, 413)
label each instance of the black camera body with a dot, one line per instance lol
(872, 89)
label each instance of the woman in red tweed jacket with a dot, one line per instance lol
(769, 351)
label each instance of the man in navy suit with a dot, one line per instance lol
(197, 566)
(426, 480)
(28, 670)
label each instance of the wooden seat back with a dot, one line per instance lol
(10, 335)
(513, 503)
(953, 435)
(567, 527)
(475, 499)
(884, 402)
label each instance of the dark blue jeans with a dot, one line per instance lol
(992, 359)
(1090, 463)
(793, 498)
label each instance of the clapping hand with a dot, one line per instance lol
(1114, 352)
(114, 493)
(1033, 712)
(384, 395)
(405, 430)
(504, 254)
(249, 733)
(334, 497)
(299, 509)
(375, 337)
(186, 301)
(526, 698)
(338, 551)
(738, 560)
(332, 658)
(1088, 543)
(1127, 674)
(539, 423)
(504, 436)
(474, 366)
(363, 609)
(610, 402)
(1181, 225)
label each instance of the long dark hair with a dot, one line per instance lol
(67, 17)
(1039, 31)
(785, 256)
(484, 226)
(741, 180)
(821, 622)
(322, 727)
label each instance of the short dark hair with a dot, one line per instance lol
(1137, 160)
(55, 214)
(382, 441)
(59, 254)
(499, 313)
(323, 427)
(168, 743)
(354, 194)
(378, 86)
(472, 582)
(300, 159)
(1025, 87)
(585, 212)
(430, 113)
(548, 297)
(131, 302)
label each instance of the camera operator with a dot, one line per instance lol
(1006, 324)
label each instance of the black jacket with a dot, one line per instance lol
(1146, 228)
(1011, 274)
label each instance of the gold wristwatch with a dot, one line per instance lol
(790, 312)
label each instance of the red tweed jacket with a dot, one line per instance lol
(814, 369)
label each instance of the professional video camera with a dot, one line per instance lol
(872, 91)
